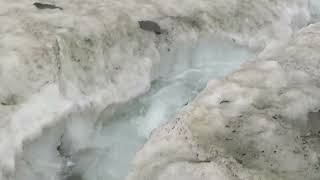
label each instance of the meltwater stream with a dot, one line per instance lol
(122, 129)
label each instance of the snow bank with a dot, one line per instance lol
(260, 122)
(92, 54)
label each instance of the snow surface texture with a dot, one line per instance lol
(64, 66)
(260, 122)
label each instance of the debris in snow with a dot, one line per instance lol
(150, 26)
(46, 6)
(224, 101)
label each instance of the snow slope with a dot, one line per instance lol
(70, 64)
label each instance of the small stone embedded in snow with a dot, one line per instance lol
(150, 26)
(46, 6)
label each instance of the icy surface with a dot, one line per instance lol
(315, 10)
(111, 143)
(62, 68)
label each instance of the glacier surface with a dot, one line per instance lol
(108, 146)
(70, 77)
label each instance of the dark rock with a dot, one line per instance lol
(224, 101)
(59, 149)
(46, 6)
(277, 116)
(150, 26)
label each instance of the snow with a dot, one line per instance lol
(62, 69)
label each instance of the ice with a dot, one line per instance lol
(315, 10)
(104, 150)
(41, 159)
(95, 54)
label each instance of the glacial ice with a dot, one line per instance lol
(112, 142)
(66, 75)
(315, 10)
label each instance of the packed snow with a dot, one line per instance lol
(81, 77)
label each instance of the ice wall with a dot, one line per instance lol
(66, 65)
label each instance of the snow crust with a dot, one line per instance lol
(59, 67)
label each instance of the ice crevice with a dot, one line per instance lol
(105, 148)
